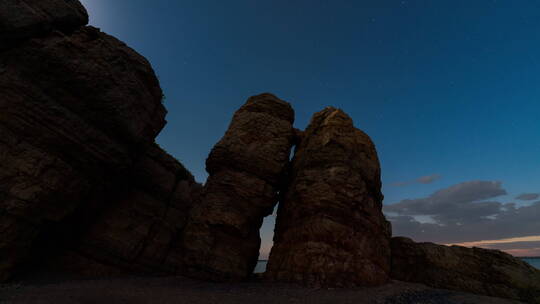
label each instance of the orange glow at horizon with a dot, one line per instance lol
(524, 252)
(535, 238)
(515, 252)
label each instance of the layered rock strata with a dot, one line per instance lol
(330, 230)
(140, 232)
(245, 170)
(476, 270)
(78, 110)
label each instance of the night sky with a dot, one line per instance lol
(448, 90)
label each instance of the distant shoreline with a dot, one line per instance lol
(533, 258)
(519, 257)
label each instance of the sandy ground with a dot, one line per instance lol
(182, 290)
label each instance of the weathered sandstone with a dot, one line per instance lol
(23, 19)
(246, 167)
(140, 230)
(475, 270)
(330, 230)
(77, 111)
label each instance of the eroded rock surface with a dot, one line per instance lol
(140, 230)
(330, 230)
(476, 270)
(23, 19)
(78, 110)
(246, 167)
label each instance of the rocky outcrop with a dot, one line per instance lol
(79, 112)
(88, 83)
(330, 230)
(23, 19)
(246, 167)
(84, 188)
(475, 270)
(140, 232)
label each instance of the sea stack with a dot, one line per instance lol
(246, 168)
(330, 230)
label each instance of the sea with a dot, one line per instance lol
(535, 262)
(261, 264)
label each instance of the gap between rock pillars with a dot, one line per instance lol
(269, 223)
(267, 236)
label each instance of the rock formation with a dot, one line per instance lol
(23, 19)
(475, 270)
(330, 230)
(246, 167)
(141, 230)
(84, 188)
(78, 116)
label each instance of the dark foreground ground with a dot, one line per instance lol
(183, 290)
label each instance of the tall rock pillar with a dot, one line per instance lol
(246, 168)
(330, 230)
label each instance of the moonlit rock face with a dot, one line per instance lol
(330, 230)
(246, 166)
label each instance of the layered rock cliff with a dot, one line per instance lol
(330, 230)
(78, 116)
(140, 230)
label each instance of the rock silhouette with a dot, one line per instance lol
(330, 230)
(246, 167)
(140, 231)
(23, 19)
(475, 270)
(79, 111)
(85, 189)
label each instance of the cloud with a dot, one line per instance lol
(428, 179)
(524, 252)
(513, 246)
(523, 246)
(528, 196)
(453, 201)
(464, 212)
(535, 239)
(401, 184)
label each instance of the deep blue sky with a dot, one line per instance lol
(442, 87)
